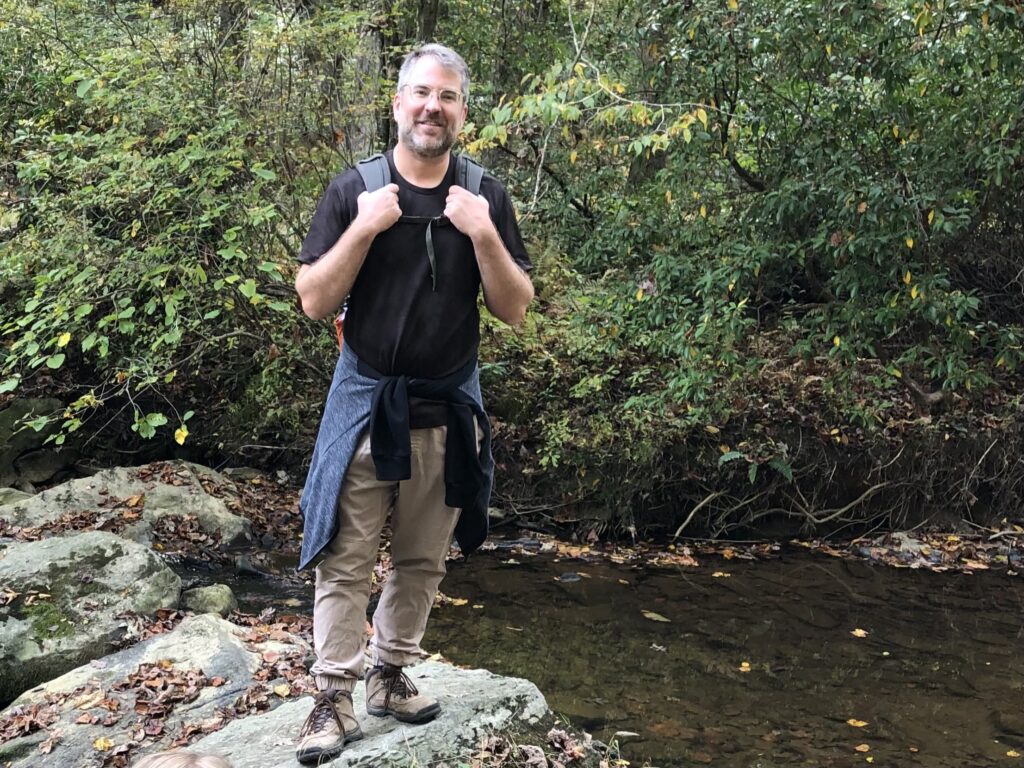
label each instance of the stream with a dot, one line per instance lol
(798, 660)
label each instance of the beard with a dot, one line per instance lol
(427, 146)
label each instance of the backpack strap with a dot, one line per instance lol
(375, 172)
(468, 173)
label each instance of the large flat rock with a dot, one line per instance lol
(132, 501)
(474, 702)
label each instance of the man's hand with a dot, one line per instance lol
(471, 214)
(379, 210)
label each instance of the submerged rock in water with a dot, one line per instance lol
(65, 597)
(216, 598)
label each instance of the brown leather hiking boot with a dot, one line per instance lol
(330, 726)
(389, 691)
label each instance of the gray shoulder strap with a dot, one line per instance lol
(375, 172)
(469, 174)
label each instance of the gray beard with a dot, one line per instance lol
(441, 147)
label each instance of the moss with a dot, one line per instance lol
(48, 621)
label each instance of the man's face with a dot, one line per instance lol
(428, 119)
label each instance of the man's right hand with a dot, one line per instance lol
(379, 210)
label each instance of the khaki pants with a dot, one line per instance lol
(421, 533)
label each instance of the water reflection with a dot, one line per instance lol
(938, 676)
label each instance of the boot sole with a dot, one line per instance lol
(316, 754)
(416, 718)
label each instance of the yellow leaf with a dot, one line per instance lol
(703, 212)
(897, 373)
(907, 277)
(724, 448)
(654, 616)
(896, 131)
(640, 294)
(478, 606)
(856, 723)
(63, 340)
(702, 115)
(744, 666)
(734, 5)
(859, 632)
(913, 292)
(828, 48)
(180, 434)
(1012, 753)
(869, 759)
(103, 744)
(459, 601)
(931, 216)
(711, 429)
(984, 20)
(836, 341)
(572, 157)
(862, 748)
(910, 242)
(283, 690)
(862, 207)
(721, 575)
(668, 195)
(757, 270)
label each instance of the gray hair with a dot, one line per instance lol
(445, 56)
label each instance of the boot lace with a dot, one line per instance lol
(323, 710)
(396, 683)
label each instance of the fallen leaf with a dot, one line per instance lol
(1012, 753)
(103, 744)
(856, 723)
(863, 748)
(744, 666)
(283, 690)
(721, 575)
(654, 616)
(859, 632)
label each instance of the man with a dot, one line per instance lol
(403, 429)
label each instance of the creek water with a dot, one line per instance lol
(799, 660)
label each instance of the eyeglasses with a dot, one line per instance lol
(420, 94)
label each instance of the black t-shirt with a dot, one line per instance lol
(396, 320)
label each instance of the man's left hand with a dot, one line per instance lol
(471, 214)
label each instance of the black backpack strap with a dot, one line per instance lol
(468, 173)
(375, 172)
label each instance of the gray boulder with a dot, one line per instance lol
(474, 702)
(216, 598)
(61, 602)
(16, 441)
(241, 662)
(133, 501)
(111, 689)
(12, 495)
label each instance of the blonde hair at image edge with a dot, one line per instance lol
(182, 760)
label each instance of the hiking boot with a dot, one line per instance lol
(330, 726)
(389, 691)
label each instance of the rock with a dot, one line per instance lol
(42, 464)
(12, 495)
(131, 501)
(70, 593)
(15, 441)
(206, 643)
(216, 598)
(473, 702)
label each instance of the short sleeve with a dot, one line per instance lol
(333, 215)
(505, 221)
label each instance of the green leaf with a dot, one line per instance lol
(729, 456)
(782, 468)
(156, 419)
(83, 87)
(265, 173)
(9, 385)
(55, 361)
